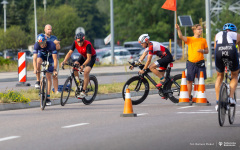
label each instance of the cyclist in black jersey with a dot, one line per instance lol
(225, 47)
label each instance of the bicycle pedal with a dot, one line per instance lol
(163, 97)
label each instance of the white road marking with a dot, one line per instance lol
(186, 107)
(206, 110)
(197, 112)
(9, 138)
(75, 125)
(142, 114)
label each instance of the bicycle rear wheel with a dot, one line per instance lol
(67, 87)
(139, 89)
(43, 92)
(174, 86)
(222, 104)
(231, 112)
(91, 91)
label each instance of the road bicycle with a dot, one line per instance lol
(44, 83)
(139, 85)
(68, 87)
(223, 103)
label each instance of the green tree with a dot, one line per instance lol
(93, 20)
(14, 38)
(63, 19)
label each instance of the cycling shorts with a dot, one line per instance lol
(163, 62)
(230, 52)
(82, 59)
(50, 60)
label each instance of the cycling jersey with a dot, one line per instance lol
(226, 48)
(85, 49)
(43, 53)
(156, 48)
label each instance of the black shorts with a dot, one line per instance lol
(193, 69)
(231, 54)
(82, 59)
(163, 62)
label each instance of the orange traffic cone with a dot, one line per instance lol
(195, 90)
(128, 110)
(184, 97)
(201, 96)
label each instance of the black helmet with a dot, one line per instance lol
(80, 37)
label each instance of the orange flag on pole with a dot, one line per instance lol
(170, 5)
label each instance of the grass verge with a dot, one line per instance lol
(26, 96)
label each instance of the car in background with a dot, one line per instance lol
(179, 49)
(1, 54)
(100, 52)
(145, 59)
(132, 44)
(10, 54)
(122, 56)
(134, 51)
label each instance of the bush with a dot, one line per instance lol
(5, 61)
(12, 96)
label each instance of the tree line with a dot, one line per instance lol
(131, 19)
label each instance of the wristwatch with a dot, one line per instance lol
(144, 70)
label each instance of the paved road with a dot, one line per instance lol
(160, 125)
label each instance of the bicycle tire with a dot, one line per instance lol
(92, 89)
(231, 112)
(174, 85)
(140, 95)
(67, 87)
(222, 104)
(43, 93)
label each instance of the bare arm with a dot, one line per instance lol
(55, 60)
(68, 56)
(184, 38)
(143, 56)
(35, 62)
(149, 58)
(57, 43)
(238, 41)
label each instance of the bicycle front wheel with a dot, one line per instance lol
(67, 87)
(91, 91)
(174, 86)
(43, 92)
(231, 112)
(222, 104)
(139, 89)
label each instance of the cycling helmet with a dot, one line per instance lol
(80, 37)
(143, 38)
(229, 26)
(41, 39)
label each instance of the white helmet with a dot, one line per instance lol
(143, 38)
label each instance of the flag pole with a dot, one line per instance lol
(175, 33)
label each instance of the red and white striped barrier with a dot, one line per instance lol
(22, 71)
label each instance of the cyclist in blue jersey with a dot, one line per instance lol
(44, 50)
(50, 37)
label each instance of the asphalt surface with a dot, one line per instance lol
(159, 124)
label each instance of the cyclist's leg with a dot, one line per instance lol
(79, 62)
(48, 76)
(39, 62)
(218, 83)
(153, 67)
(55, 79)
(87, 71)
(234, 67)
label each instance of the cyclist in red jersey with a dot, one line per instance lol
(85, 61)
(154, 48)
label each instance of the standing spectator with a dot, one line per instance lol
(48, 32)
(225, 47)
(197, 47)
